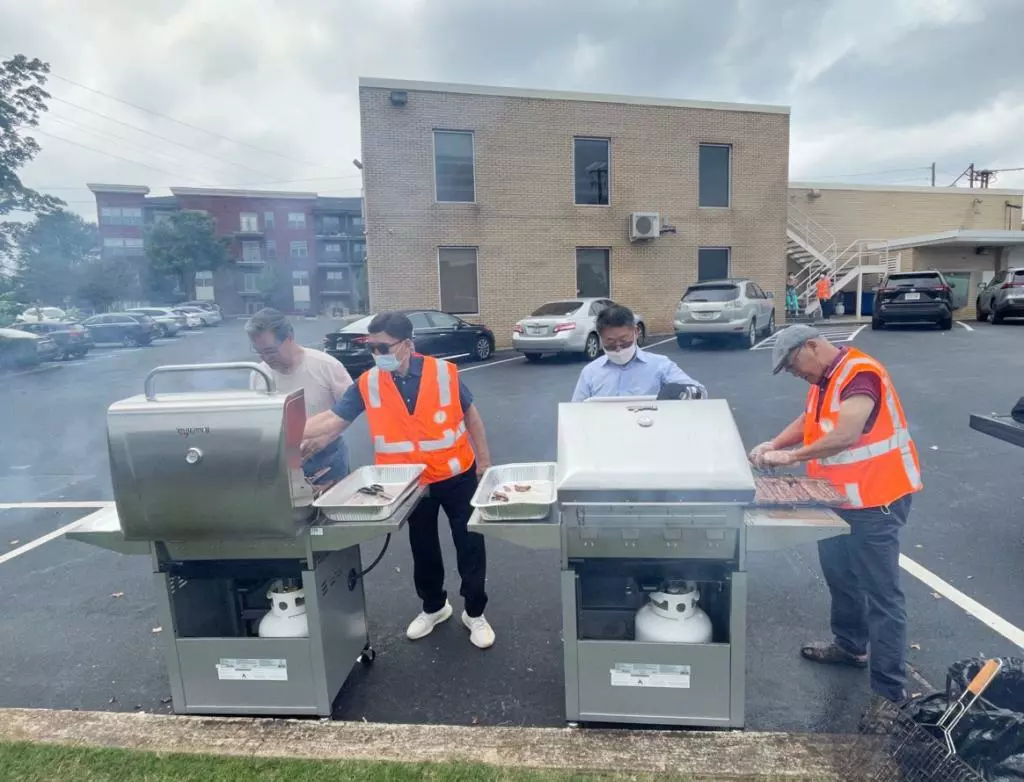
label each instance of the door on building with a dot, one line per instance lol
(960, 282)
(252, 307)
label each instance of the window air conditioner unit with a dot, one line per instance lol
(644, 225)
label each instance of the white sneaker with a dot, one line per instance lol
(424, 624)
(481, 635)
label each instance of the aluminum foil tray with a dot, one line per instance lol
(791, 491)
(344, 502)
(534, 504)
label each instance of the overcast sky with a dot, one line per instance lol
(874, 85)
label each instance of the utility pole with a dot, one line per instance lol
(933, 174)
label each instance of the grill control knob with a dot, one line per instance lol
(645, 421)
(193, 456)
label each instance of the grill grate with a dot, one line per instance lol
(790, 490)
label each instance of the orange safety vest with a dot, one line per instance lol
(882, 465)
(435, 433)
(824, 289)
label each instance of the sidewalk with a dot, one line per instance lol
(733, 755)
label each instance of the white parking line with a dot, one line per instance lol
(492, 364)
(661, 342)
(961, 323)
(989, 618)
(37, 542)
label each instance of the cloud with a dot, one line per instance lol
(874, 84)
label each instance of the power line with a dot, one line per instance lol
(184, 124)
(102, 152)
(157, 135)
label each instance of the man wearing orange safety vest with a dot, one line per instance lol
(420, 413)
(853, 433)
(824, 294)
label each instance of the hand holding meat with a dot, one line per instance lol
(777, 459)
(757, 454)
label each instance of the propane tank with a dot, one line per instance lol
(672, 615)
(287, 615)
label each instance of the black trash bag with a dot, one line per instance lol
(990, 737)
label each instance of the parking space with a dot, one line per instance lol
(82, 619)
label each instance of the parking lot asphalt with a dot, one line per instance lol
(80, 624)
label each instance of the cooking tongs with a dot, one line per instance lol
(375, 490)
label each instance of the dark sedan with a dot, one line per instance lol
(126, 328)
(434, 334)
(73, 339)
(21, 349)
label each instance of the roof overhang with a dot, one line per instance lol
(213, 191)
(960, 238)
(131, 189)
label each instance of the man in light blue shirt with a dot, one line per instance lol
(624, 369)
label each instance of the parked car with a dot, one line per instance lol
(434, 334)
(42, 313)
(565, 326)
(735, 308)
(203, 305)
(168, 322)
(914, 297)
(71, 339)
(192, 319)
(1003, 297)
(207, 317)
(22, 349)
(124, 327)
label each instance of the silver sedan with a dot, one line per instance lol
(565, 326)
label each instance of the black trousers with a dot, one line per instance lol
(452, 494)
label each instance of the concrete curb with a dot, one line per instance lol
(705, 755)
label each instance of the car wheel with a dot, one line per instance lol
(979, 314)
(946, 323)
(771, 325)
(996, 317)
(535, 357)
(129, 341)
(592, 348)
(161, 330)
(641, 334)
(684, 340)
(877, 325)
(751, 337)
(483, 349)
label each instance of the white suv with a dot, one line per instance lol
(736, 309)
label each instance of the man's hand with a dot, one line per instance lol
(757, 454)
(482, 467)
(777, 458)
(313, 445)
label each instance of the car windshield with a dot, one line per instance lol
(361, 326)
(924, 280)
(701, 293)
(557, 308)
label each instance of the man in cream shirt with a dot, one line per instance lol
(322, 378)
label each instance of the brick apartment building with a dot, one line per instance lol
(315, 245)
(488, 202)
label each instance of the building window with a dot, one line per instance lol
(299, 250)
(332, 248)
(271, 245)
(268, 221)
(297, 220)
(359, 252)
(330, 225)
(590, 163)
(123, 246)
(204, 280)
(592, 274)
(253, 306)
(454, 176)
(357, 224)
(334, 282)
(712, 263)
(456, 271)
(251, 252)
(121, 215)
(300, 277)
(249, 222)
(250, 282)
(715, 174)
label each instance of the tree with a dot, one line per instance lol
(53, 252)
(102, 281)
(185, 243)
(273, 289)
(22, 101)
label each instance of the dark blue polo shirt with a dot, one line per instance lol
(351, 404)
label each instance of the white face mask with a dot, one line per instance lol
(623, 356)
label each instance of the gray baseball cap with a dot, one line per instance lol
(789, 339)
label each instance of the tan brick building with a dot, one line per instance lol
(487, 202)
(968, 234)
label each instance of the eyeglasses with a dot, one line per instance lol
(613, 345)
(381, 348)
(265, 352)
(788, 366)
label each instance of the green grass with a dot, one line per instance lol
(26, 762)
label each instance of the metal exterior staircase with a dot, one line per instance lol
(816, 253)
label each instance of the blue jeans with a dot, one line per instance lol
(334, 456)
(862, 570)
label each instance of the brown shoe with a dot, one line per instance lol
(828, 653)
(880, 716)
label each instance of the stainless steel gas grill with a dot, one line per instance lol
(654, 519)
(260, 593)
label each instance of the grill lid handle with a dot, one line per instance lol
(248, 366)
